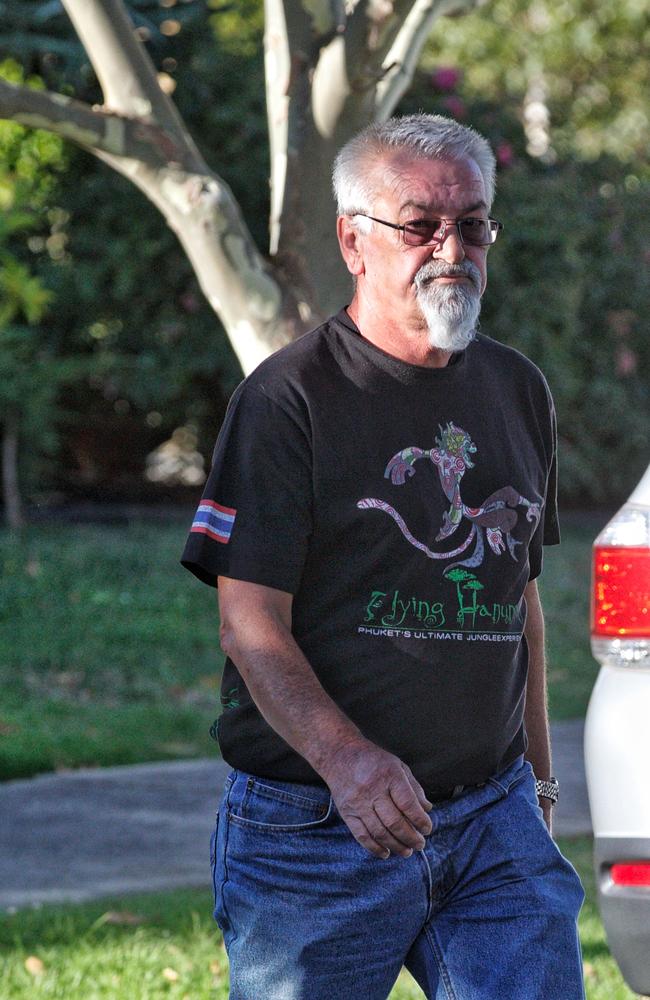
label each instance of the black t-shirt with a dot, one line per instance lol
(405, 509)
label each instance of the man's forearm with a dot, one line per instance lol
(286, 691)
(536, 715)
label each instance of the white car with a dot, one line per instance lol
(617, 734)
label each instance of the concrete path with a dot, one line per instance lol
(99, 832)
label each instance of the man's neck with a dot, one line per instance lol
(404, 341)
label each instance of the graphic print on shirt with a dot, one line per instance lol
(493, 520)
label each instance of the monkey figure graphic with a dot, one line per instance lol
(495, 518)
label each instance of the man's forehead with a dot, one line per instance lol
(427, 185)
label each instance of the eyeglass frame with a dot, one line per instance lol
(446, 223)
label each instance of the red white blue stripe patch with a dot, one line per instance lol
(214, 520)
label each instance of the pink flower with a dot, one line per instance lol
(505, 154)
(189, 302)
(446, 78)
(455, 106)
(626, 362)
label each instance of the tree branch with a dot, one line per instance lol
(125, 72)
(277, 68)
(91, 128)
(370, 30)
(352, 64)
(401, 60)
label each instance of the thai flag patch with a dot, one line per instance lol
(214, 520)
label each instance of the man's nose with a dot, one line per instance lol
(451, 248)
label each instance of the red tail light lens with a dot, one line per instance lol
(621, 591)
(631, 873)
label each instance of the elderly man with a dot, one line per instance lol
(374, 519)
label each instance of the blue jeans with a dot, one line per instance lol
(487, 910)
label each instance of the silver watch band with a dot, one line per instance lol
(548, 789)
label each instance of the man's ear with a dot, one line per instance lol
(350, 244)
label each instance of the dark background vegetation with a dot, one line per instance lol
(107, 345)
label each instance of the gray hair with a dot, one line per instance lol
(424, 136)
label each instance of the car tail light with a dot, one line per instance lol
(620, 595)
(631, 873)
(621, 591)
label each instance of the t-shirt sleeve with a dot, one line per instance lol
(548, 529)
(255, 516)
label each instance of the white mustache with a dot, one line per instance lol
(439, 269)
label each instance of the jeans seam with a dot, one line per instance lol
(422, 857)
(442, 968)
(506, 789)
(252, 824)
(225, 878)
(213, 859)
(282, 795)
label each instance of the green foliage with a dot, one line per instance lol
(238, 27)
(30, 160)
(31, 369)
(584, 62)
(148, 947)
(20, 293)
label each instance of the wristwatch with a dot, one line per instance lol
(548, 789)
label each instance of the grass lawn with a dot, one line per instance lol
(564, 587)
(109, 649)
(166, 946)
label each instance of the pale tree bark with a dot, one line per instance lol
(332, 66)
(342, 71)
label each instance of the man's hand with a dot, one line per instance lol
(383, 805)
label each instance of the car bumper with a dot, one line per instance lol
(625, 909)
(617, 765)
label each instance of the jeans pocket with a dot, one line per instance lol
(275, 807)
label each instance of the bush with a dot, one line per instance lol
(566, 288)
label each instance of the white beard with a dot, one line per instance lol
(451, 312)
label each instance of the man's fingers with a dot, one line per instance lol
(372, 834)
(402, 836)
(410, 799)
(418, 789)
(360, 833)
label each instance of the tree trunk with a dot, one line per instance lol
(10, 488)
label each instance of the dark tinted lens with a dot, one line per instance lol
(420, 232)
(477, 231)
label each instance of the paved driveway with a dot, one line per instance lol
(98, 832)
